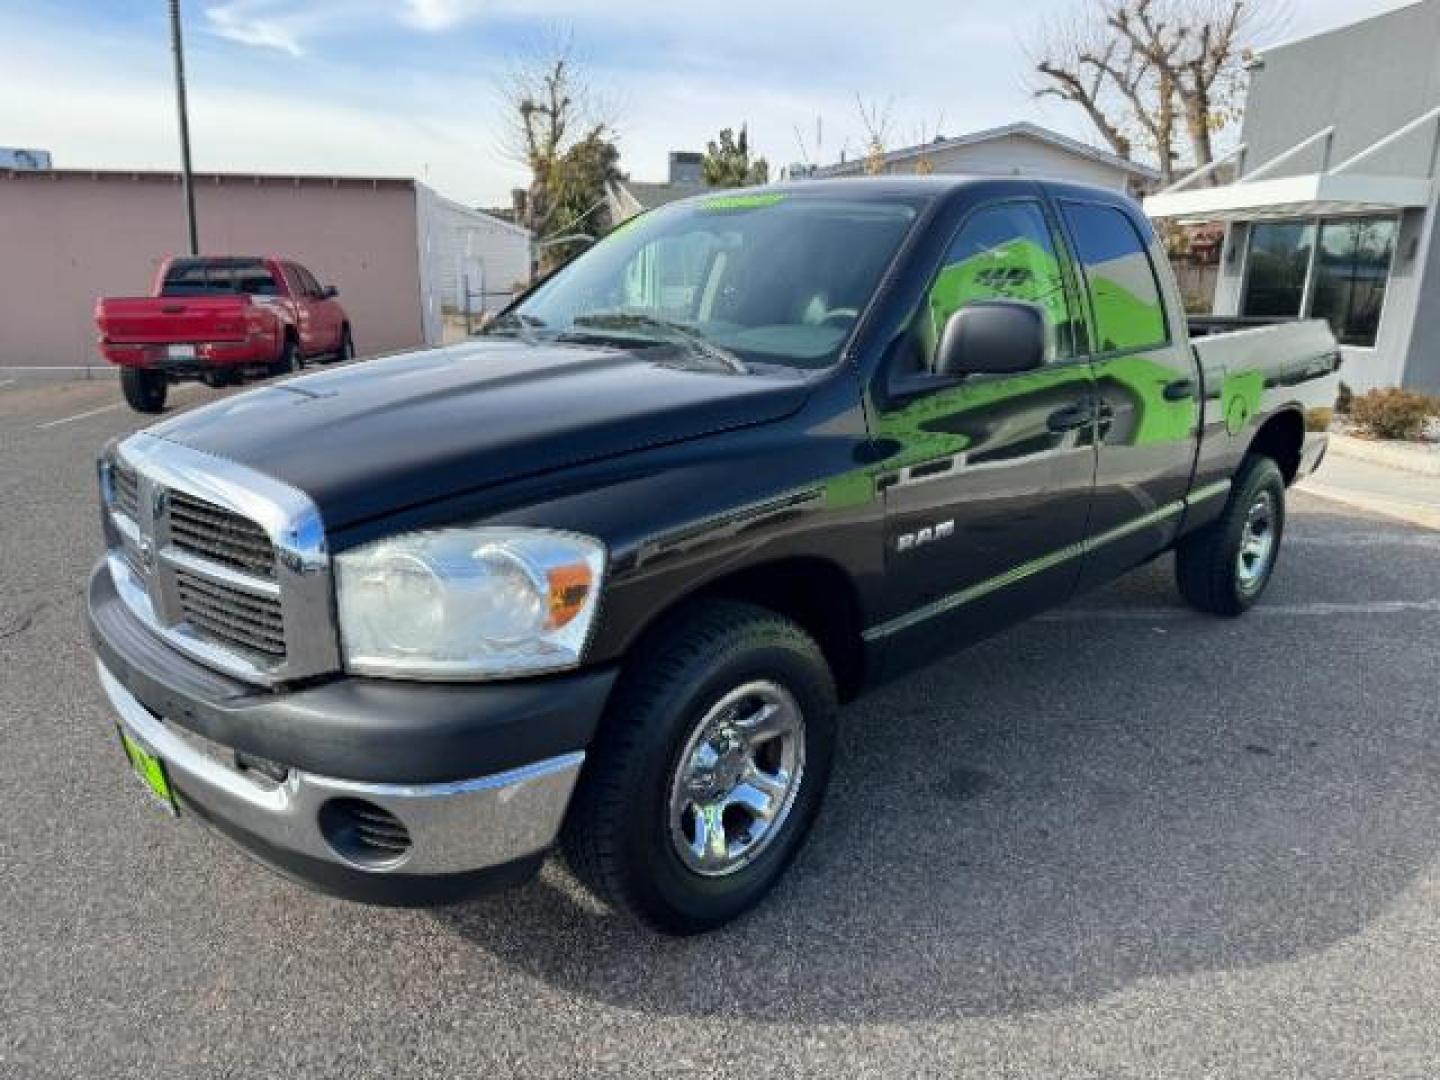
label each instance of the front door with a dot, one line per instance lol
(987, 481)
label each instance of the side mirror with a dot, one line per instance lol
(331, 292)
(993, 337)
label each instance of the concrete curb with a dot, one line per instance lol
(1393, 455)
(1427, 517)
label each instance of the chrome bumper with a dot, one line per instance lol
(455, 828)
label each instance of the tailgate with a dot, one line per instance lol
(166, 320)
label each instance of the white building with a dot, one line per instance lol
(464, 250)
(1020, 149)
(1333, 210)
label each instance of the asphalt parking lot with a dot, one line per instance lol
(1123, 840)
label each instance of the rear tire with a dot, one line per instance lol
(709, 769)
(144, 391)
(1225, 567)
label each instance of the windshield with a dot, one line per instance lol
(768, 278)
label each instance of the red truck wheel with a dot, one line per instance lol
(144, 390)
(289, 361)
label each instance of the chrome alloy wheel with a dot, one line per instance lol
(1257, 543)
(737, 778)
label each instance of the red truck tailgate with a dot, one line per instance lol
(166, 320)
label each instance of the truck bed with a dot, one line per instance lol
(1289, 354)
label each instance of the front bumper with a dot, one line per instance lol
(463, 835)
(475, 775)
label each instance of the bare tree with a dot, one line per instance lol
(1149, 66)
(926, 136)
(876, 120)
(560, 131)
(1073, 60)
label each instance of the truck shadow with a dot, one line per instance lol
(1054, 815)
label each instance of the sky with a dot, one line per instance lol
(414, 87)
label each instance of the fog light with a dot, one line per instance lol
(364, 834)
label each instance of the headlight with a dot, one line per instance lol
(468, 603)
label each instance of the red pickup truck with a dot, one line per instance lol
(220, 318)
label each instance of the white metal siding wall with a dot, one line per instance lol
(454, 238)
(1019, 156)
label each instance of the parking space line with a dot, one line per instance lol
(8, 382)
(1366, 539)
(1369, 607)
(78, 416)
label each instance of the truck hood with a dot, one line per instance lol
(389, 434)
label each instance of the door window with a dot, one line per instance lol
(293, 279)
(308, 285)
(1002, 252)
(1124, 291)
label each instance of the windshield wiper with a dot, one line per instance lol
(671, 332)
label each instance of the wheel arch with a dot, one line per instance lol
(1282, 439)
(814, 592)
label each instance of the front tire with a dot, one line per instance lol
(144, 391)
(1225, 567)
(346, 352)
(709, 770)
(289, 362)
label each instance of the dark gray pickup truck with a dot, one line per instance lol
(604, 575)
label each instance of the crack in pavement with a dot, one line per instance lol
(24, 621)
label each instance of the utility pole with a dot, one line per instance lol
(187, 183)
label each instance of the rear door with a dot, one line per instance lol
(322, 315)
(988, 492)
(1147, 384)
(300, 285)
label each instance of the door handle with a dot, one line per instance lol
(1179, 390)
(1071, 417)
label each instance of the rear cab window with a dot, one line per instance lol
(219, 277)
(1124, 290)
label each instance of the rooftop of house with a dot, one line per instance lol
(1021, 129)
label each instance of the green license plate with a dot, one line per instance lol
(151, 771)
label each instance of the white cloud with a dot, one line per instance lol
(439, 14)
(259, 23)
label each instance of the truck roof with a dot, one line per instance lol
(879, 188)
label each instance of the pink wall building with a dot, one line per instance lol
(69, 236)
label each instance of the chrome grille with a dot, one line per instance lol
(226, 564)
(253, 624)
(127, 491)
(213, 532)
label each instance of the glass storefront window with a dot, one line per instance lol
(1278, 262)
(1350, 274)
(1351, 268)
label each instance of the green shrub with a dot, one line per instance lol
(1393, 413)
(1318, 419)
